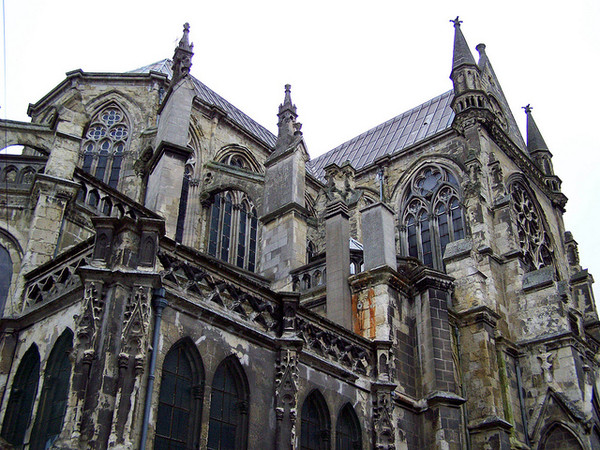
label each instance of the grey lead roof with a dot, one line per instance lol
(212, 98)
(390, 137)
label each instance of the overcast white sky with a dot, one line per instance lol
(352, 65)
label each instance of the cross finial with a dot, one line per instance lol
(456, 22)
(527, 108)
(186, 27)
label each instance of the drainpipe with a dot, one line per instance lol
(463, 407)
(159, 302)
(522, 402)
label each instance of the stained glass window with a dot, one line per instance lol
(314, 423)
(433, 215)
(228, 408)
(233, 228)
(179, 403)
(55, 391)
(22, 396)
(347, 430)
(105, 143)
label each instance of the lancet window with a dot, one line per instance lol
(180, 399)
(228, 422)
(432, 215)
(347, 430)
(22, 395)
(233, 229)
(105, 144)
(53, 401)
(314, 423)
(533, 239)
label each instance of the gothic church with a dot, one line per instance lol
(175, 276)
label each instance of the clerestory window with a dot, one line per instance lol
(233, 228)
(105, 144)
(432, 215)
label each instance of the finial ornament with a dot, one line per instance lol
(527, 108)
(456, 22)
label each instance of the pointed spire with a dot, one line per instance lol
(288, 127)
(535, 141)
(462, 54)
(182, 58)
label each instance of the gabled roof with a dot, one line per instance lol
(390, 137)
(209, 96)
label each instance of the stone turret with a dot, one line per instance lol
(465, 75)
(284, 212)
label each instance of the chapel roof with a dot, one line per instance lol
(209, 96)
(390, 137)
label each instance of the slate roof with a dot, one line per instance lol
(212, 98)
(390, 137)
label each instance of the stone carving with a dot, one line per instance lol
(546, 361)
(61, 280)
(136, 322)
(382, 420)
(191, 279)
(89, 321)
(286, 390)
(334, 347)
(532, 238)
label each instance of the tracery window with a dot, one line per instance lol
(314, 423)
(533, 239)
(55, 391)
(180, 399)
(347, 430)
(432, 215)
(228, 423)
(105, 143)
(22, 395)
(233, 229)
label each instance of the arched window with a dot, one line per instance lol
(533, 239)
(347, 430)
(228, 423)
(233, 229)
(560, 438)
(6, 271)
(180, 399)
(22, 395)
(314, 426)
(432, 215)
(55, 391)
(105, 143)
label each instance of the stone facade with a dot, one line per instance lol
(176, 276)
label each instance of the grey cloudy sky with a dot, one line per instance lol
(352, 65)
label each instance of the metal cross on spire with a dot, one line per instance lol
(527, 108)
(456, 22)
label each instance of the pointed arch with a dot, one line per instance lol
(559, 437)
(347, 429)
(238, 156)
(180, 398)
(233, 228)
(105, 143)
(22, 395)
(431, 214)
(229, 404)
(55, 391)
(315, 426)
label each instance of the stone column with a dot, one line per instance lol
(337, 237)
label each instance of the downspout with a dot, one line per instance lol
(522, 402)
(463, 407)
(159, 302)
